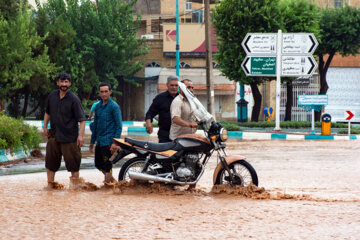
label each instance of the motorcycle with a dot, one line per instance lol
(183, 161)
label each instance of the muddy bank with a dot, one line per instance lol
(307, 190)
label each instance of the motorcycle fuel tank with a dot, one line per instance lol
(194, 143)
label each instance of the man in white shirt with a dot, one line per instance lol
(182, 116)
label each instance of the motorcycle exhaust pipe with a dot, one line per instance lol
(148, 177)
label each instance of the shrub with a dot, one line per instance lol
(354, 130)
(230, 126)
(14, 134)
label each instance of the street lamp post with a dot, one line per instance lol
(177, 40)
(209, 68)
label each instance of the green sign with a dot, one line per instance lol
(263, 65)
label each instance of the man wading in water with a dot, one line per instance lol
(64, 111)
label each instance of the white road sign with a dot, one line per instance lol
(292, 66)
(299, 43)
(260, 43)
(312, 99)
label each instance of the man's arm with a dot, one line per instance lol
(151, 113)
(80, 140)
(93, 134)
(118, 121)
(149, 126)
(90, 115)
(46, 121)
(179, 121)
(175, 111)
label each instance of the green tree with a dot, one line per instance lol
(9, 8)
(233, 19)
(104, 45)
(23, 59)
(298, 16)
(340, 33)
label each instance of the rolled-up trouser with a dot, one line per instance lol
(102, 156)
(55, 150)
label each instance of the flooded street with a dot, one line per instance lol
(311, 191)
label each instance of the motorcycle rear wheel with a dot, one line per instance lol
(244, 174)
(135, 164)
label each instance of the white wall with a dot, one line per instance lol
(343, 93)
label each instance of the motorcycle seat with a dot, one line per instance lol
(156, 147)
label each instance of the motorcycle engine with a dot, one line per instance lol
(186, 170)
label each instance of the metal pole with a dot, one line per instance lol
(177, 40)
(242, 91)
(278, 81)
(209, 67)
(312, 121)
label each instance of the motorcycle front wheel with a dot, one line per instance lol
(134, 164)
(243, 174)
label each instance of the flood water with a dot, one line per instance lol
(308, 190)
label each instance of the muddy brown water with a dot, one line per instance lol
(307, 190)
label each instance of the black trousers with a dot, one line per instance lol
(163, 136)
(102, 156)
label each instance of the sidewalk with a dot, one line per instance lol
(132, 129)
(138, 129)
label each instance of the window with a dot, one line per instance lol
(196, 16)
(338, 3)
(183, 65)
(188, 6)
(153, 64)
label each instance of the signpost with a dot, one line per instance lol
(312, 102)
(348, 116)
(259, 43)
(259, 66)
(294, 66)
(278, 54)
(299, 43)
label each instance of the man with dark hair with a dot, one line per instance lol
(161, 106)
(64, 111)
(107, 125)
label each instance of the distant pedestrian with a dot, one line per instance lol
(91, 114)
(161, 106)
(107, 125)
(64, 111)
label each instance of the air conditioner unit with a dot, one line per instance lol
(148, 36)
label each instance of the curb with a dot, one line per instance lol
(138, 129)
(6, 155)
(248, 135)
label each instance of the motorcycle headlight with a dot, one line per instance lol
(224, 134)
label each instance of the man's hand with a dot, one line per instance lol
(80, 141)
(91, 148)
(46, 131)
(113, 148)
(149, 126)
(194, 125)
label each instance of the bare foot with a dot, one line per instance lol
(80, 184)
(55, 186)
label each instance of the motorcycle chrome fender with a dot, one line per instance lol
(229, 160)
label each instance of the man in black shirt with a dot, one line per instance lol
(64, 111)
(161, 106)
